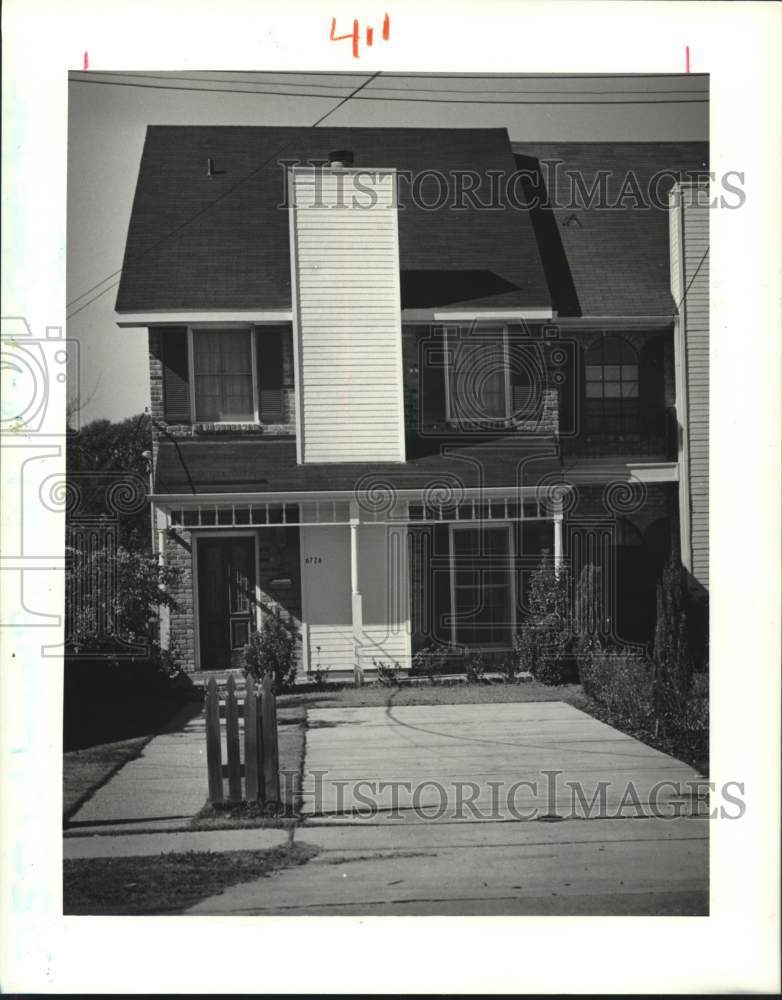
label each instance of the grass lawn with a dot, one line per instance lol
(431, 694)
(167, 883)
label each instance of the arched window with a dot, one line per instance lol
(612, 387)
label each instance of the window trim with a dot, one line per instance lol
(479, 526)
(255, 420)
(626, 404)
(450, 417)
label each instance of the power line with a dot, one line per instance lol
(221, 85)
(202, 90)
(225, 194)
(349, 97)
(606, 93)
(415, 100)
(689, 283)
(435, 100)
(174, 77)
(77, 74)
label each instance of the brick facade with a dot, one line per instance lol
(424, 418)
(640, 505)
(278, 551)
(204, 429)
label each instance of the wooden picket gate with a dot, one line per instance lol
(260, 764)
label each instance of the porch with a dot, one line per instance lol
(363, 580)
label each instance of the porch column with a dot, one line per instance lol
(558, 539)
(159, 524)
(355, 595)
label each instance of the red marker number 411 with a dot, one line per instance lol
(354, 35)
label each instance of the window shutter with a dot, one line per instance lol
(432, 377)
(275, 373)
(652, 387)
(176, 375)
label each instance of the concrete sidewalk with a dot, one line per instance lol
(138, 845)
(436, 853)
(433, 856)
(518, 758)
(596, 867)
(161, 789)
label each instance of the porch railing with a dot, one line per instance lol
(659, 441)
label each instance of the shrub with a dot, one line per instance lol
(673, 654)
(388, 674)
(113, 598)
(623, 682)
(273, 651)
(475, 667)
(430, 661)
(320, 674)
(542, 644)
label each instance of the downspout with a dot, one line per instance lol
(357, 612)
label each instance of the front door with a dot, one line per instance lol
(226, 602)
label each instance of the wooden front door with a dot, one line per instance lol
(226, 599)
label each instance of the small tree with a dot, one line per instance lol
(104, 451)
(273, 650)
(673, 656)
(113, 598)
(542, 644)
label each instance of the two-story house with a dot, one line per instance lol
(390, 367)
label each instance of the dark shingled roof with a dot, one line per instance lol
(205, 243)
(257, 466)
(602, 261)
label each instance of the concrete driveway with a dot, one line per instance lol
(532, 808)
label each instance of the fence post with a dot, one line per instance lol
(251, 744)
(271, 768)
(214, 755)
(232, 742)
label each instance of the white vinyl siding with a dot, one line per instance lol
(690, 289)
(696, 320)
(347, 317)
(326, 595)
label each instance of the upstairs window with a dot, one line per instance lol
(612, 387)
(223, 371)
(494, 377)
(478, 378)
(226, 375)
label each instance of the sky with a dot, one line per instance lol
(108, 114)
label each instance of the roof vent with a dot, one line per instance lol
(341, 158)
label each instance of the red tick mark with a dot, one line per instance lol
(687, 57)
(386, 25)
(86, 61)
(370, 35)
